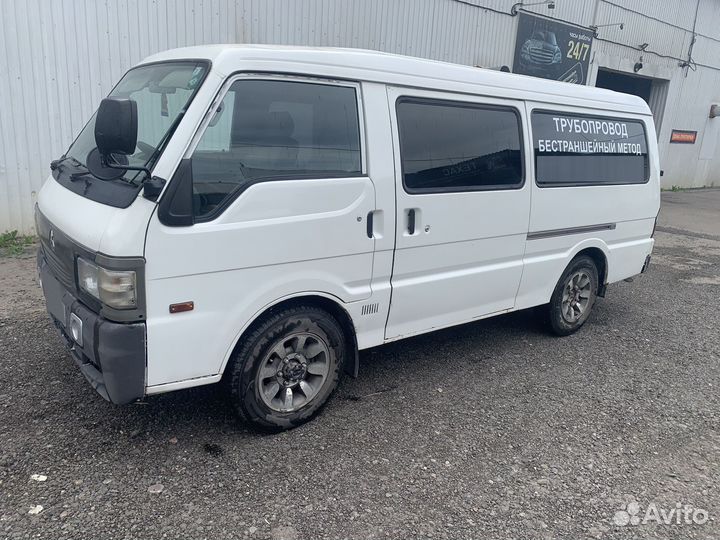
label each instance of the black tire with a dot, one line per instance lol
(256, 351)
(560, 313)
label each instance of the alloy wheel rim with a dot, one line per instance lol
(576, 296)
(293, 372)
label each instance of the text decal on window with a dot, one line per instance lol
(588, 150)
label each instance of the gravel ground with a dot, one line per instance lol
(488, 430)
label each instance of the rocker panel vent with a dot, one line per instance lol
(369, 309)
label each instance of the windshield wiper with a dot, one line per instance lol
(60, 164)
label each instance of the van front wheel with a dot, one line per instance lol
(573, 297)
(287, 368)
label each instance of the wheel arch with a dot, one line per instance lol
(331, 304)
(600, 259)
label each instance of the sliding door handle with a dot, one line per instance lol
(369, 223)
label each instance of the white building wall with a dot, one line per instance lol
(58, 58)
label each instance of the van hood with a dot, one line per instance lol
(97, 227)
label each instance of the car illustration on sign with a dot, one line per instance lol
(541, 50)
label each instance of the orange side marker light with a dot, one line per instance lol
(182, 306)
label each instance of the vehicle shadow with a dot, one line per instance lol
(211, 407)
(201, 421)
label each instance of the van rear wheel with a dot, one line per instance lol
(287, 368)
(573, 297)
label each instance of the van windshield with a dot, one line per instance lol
(162, 92)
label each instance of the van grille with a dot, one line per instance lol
(58, 252)
(58, 267)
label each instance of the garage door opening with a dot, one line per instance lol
(653, 91)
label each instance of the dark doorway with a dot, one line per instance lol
(653, 91)
(638, 86)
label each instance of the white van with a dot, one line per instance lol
(259, 214)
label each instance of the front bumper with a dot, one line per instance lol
(111, 356)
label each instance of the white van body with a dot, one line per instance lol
(429, 259)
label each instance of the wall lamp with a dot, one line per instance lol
(638, 65)
(517, 7)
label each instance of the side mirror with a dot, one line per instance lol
(116, 130)
(116, 126)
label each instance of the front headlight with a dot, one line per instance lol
(114, 288)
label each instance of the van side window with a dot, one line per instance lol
(275, 130)
(584, 150)
(455, 146)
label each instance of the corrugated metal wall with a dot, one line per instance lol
(667, 29)
(60, 57)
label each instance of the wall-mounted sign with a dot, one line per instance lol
(552, 50)
(683, 136)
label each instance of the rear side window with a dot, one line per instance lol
(454, 146)
(581, 150)
(273, 130)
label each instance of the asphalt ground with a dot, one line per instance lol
(488, 430)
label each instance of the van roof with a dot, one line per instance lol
(375, 66)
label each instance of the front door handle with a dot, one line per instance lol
(411, 221)
(374, 225)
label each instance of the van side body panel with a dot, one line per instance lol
(288, 238)
(470, 277)
(623, 217)
(255, 253)
(463, 259)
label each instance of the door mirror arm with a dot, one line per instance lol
(153, 187)
(110, 162)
